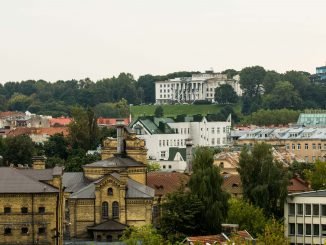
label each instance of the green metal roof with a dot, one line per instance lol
(174, 150)
(312, 119)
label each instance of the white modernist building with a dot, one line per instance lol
(305, 218)
(189, 89)
(162, 134)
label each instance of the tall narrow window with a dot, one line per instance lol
(110, 192)
(105, 210)
(115, 210)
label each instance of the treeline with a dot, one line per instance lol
(57, 98)
(262, 90)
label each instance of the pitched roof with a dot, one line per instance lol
(15, 181)
(174, 150)
(111, 121)
(166, 182)
(115, 162)
(74, 181)
(63, 121)
(109, 225)
(298, 185)
(38, 131)
(39, 174)
(232, 184)
(135, 189)
(211, 239)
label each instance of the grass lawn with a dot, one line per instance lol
(174, 110)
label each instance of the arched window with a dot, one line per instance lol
(115, 210)
(110, 192)
(105, 210)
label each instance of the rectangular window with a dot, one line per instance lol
(315, 209)
(163, 142)
(224, 129)
(306, 146)
(24, 210)
(313, 158)
(323, 230)
(299, 209)
(291, 209)
(213, 130)
(291, 229)
(41, 210)
(299, 146)
(306, 158)
(316, 229)
(7, 210)
(41, 230)
(319, 146)
(218, 130)
(300, 229)
(287, 146)
(293, 146)
(213, 141)
(162, 154)
(323, 210)
(24, 230)
(308, 229)
(314, 146)
(308, 209)
(7, 231)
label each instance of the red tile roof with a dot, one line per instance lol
(298, 185)
(212, 239)
(4, 114)
(166, 182)
(62, 121)
(232, 184)
(38, 131)
(111, 121)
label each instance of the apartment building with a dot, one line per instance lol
(305, 218)
(189, 89)
(306, 143)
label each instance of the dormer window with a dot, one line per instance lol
(110, 192)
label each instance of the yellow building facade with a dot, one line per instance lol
(111, 194)
(31, 205)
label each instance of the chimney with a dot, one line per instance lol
(120, 145)
(189, 155)
(39, 162)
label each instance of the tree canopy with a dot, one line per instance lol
(264, 180)
(205, 182)
(225, 94)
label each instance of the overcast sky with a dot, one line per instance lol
(66, 39)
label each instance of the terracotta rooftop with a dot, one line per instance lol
(166, 182)
(4, 114)
(212, 239)
(298, 185)
(232, 184)
(62, 121)
(38, 131)
(111, 121)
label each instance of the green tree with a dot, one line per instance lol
(19, 102)
(56, 146)
(230, 73)
(159, 111)
(273, 234)
(248, 216)
(270, 79)
(251, 80)
(205, 182)
(264, 180)
(153, 166)
(225, 94)
(181, 215)
(83, 130)
(19, 150)
(283, 95)
(145, 235)
(301, 169)
(317, 176)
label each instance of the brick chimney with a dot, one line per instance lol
(189, 155)
(120, 144)
(39, 162)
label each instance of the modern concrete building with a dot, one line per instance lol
(189, 89)
(305, 218)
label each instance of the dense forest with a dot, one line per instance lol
(263, 89)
